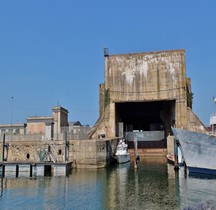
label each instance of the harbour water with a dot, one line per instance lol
(152, 186)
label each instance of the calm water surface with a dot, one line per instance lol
(151, 186)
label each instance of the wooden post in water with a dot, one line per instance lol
(176, 166)
(135, 153)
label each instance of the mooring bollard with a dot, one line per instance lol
(176, 166)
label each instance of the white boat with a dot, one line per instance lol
(122, 155)
(171, 158)
(198, 150)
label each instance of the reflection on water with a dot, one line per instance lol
(152, 186)
(145, 188)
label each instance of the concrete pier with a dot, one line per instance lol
(16, 169)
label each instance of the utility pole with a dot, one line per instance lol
(11, 130)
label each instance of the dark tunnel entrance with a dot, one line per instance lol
(149, 122)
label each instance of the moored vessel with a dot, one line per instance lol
(122, 155)
(198, 150)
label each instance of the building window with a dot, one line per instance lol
(3, 130)
(31, 129)
(40, 128)
(10, 130)
(17, 131)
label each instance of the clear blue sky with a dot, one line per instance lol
(51, 51)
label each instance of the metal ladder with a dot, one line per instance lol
(52, 151)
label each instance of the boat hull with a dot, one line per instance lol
(198, 150)
(202, 170)
(123, 158)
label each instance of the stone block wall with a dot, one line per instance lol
(32, 151)
(83, 153)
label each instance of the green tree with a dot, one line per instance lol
(106, 98)
(190, 99)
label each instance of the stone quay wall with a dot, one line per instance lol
(92, 153)
(82, 153)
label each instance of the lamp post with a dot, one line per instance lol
(11, 130)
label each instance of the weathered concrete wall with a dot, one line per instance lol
(194, 123)
(170, 144)
(92, 153)
(140, 77)
(145, 76)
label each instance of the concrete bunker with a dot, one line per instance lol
(144, 94)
